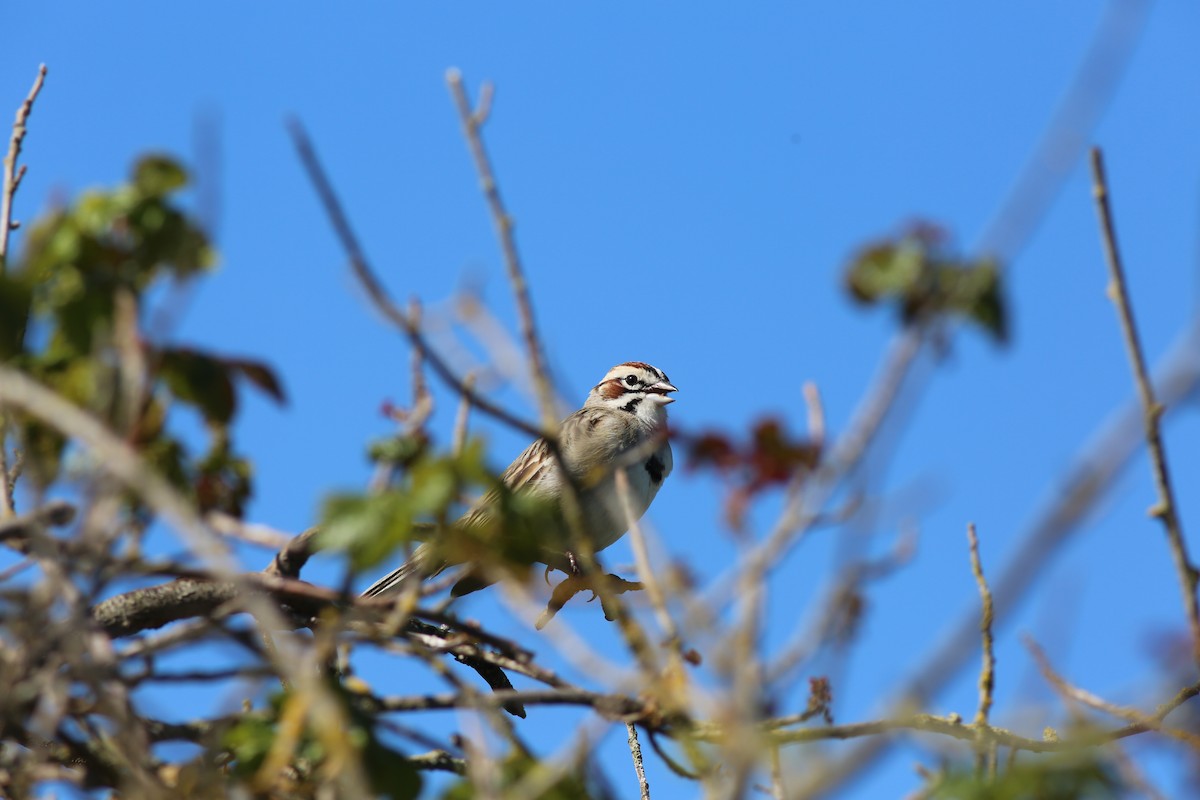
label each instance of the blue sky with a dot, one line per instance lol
(688, 183)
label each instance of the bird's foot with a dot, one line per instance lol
(574, 584)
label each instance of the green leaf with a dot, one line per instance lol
(158, 175)
(166, 239)
(249, 741)
(72, 376)
(390, 773)
(917, 273)
(205, 380)
(223, 480)
(1044, 779)
(399, 451)
(16, 297)
(574, 784)
(167, 456)
(259, 374)
(368, 528)
(973, 291)
(200, 380)
(886, 270)
(43, 447)
(80, 319)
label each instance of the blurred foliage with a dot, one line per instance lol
(575, 783)
(426, 495)
(919, 275)
(770, 457)
(1046, 778)
(285, 736)
(71, 315)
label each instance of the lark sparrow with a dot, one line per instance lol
(622, 425)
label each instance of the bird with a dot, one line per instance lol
(622, 425)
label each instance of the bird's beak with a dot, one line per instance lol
(662, 388)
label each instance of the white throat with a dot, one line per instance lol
(653, 411)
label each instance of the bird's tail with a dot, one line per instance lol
(415, 569)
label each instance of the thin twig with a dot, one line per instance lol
(294, 554)
(667, 759)
(375, 290)
(472, 124)
(19, 391)
(816, 414)
(1166, 509)
(985, 751)
(248, 532)
(954, 728)
(641, 556)
(12, 181)
(987, 673)
(8, 501)
(1050, 163)
(1070, 691)
(462, 418)
(473, 121)
(12, 176)
(635, 750)
(1096, 466)
(778, 791)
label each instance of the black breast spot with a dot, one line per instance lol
(654, 466)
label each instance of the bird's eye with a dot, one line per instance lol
(631, 380)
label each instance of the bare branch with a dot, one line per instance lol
(472, 125)
(953, 727)
(1150, 722)
(461, 419)
(816, 414)
(1094, 469)
(12, 176)
(375, 291)
(635, 750)
(292, 557)
(1093, 85)
(12, 181)
(1167, 508)
(987, 673)
(641, 555)
(16, 531)
(234, 528)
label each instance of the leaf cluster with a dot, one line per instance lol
(523, 769)
(1047, 779)
(427, 493)
(769, 457)
(286, 753)
(72, 315)
(918, 274)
